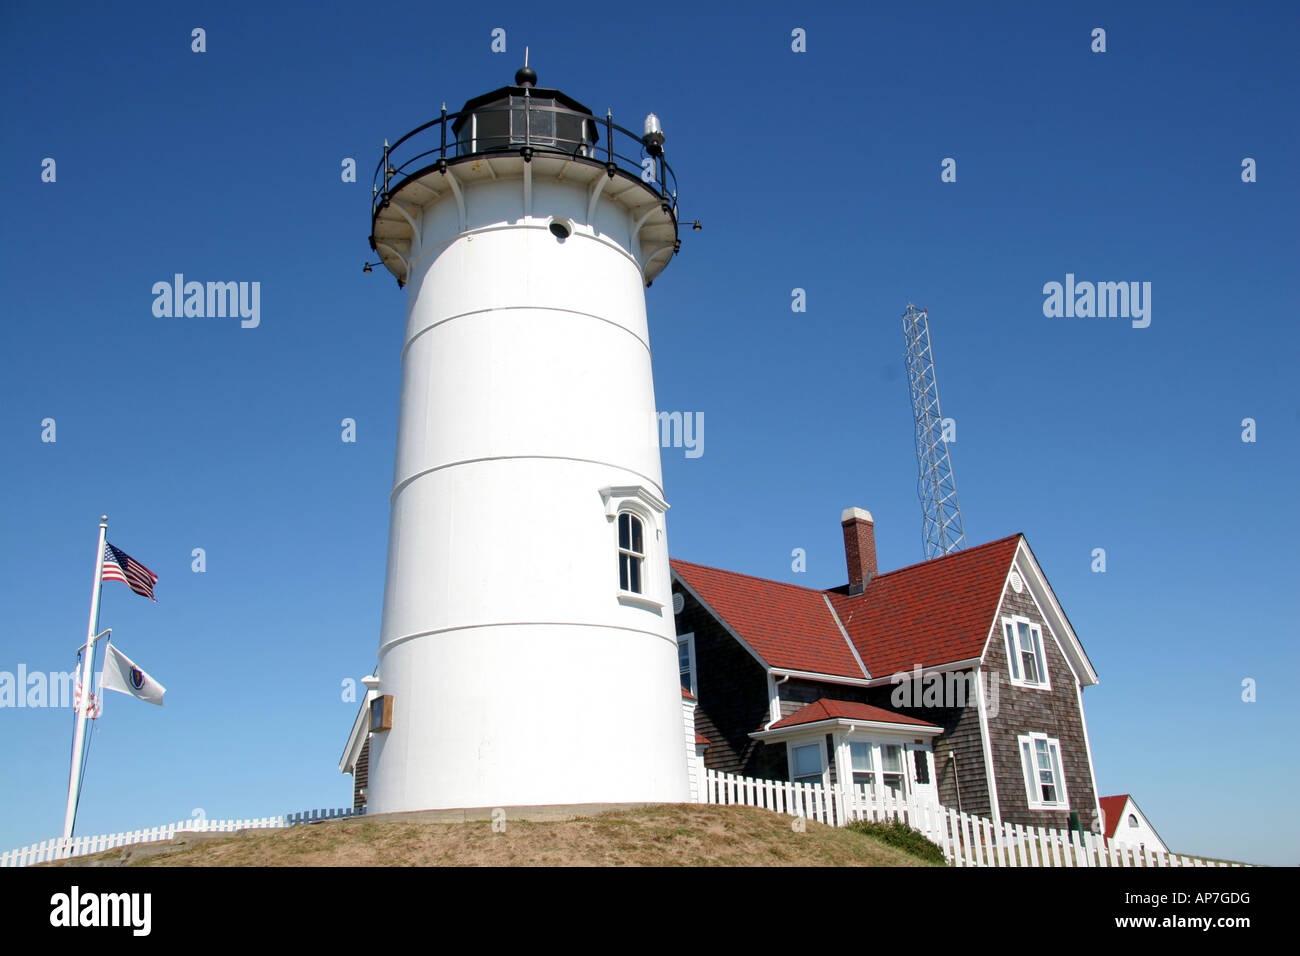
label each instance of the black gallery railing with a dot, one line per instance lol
(526, 127)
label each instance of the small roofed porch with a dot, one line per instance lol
(843, 744)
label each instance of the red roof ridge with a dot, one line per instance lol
(931, 562)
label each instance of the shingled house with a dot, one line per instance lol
(958, 680)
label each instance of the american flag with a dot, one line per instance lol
(120, 566)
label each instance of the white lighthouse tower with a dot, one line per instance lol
(527, 653)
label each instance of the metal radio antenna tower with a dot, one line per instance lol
(943, 532)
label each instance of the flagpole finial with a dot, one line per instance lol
(104, 518)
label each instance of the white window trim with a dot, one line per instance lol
(640, 503)
(1032, 785)
(820, 743)
(1014, 652)
(689, 639)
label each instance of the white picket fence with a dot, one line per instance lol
(966, 840)
(60, 849)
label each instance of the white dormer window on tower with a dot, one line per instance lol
(631, 552)
(637, 516)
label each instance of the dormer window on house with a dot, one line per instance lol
(1025, 657)
(631, 552)
(1040, 758)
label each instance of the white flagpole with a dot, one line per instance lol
(87, 673)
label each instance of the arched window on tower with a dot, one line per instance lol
(1132, 819)
(631, 552)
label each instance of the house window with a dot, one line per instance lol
(1132, 819)
(864, 770)
(806, 763)
(631, 552)
(891, 767)
(1040, 757)
(1025, 655)
(686, 661)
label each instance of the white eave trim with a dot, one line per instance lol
(876, 681)
(357, 739)
(826, 678)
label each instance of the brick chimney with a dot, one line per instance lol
(859, 547)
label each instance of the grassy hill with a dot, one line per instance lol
(670, 835)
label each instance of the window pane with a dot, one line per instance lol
(636, 535)
(1012, 657)
(623, 559)
(1027, 657)
(1056, 766)
(865, 780)
(1038, 652)
(683, 656)
(891, 756)
(624, 534)
(861, 755)
(1031, 666)
(635, 565)
(894, 781)
(807, 761)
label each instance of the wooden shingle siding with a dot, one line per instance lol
(1024, 710)
(731, 689)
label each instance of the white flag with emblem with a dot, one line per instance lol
(121, 674)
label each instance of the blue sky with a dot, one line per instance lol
(819, 171)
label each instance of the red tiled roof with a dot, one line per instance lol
(687, 694)
(826, 709)
(701, 739)
(931, 613)
(1112, 808)
(787, 625)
